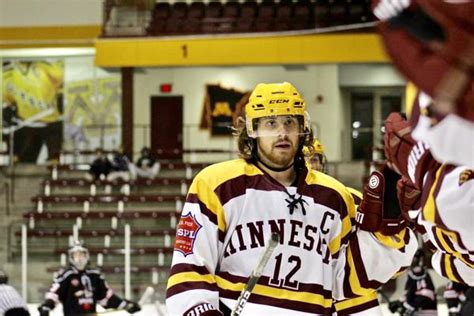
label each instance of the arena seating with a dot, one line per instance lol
(177, 169)
(181, 18)
(97, 212)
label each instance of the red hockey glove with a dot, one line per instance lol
(408, 195)
(407, 157)
(379, 210)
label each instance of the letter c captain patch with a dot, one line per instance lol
(186, 233)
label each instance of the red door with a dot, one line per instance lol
(167, 127)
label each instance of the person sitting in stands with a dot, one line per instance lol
(120, 166)
(100, 167)
(146, 166)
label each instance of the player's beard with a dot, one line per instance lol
(271, 156)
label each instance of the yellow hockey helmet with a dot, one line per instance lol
(316, 157)
(272, 99)
(318, 148)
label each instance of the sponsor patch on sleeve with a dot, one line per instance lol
(186, 233)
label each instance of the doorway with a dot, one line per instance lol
(167, 127)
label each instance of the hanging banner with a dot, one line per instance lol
(32, 108)
(93, 113)
(221, 107)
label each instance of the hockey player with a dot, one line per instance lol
(233, 207)
(317, 158)
(432, 44)
(79, 289)
(455, 297)
(446, 200)
(11, 303)
(419, 297)
(467, 308)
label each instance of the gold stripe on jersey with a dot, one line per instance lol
(185, 277)
(277, 293)
(441, 235)
(210, 199)
(354, 278)
(429, 209)
(216, 175)
(315, 177)
(396, 241)
(335, 244)
(441, 239)
(352, 302)
(449, 269)
(355, 192)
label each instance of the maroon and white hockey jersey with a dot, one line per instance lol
(231, 210)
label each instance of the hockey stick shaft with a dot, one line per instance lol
(146, 296)
(384, 296)
(255, 275)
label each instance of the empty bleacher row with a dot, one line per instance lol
(182, 18)
(97, 211)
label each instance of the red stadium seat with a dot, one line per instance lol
(302, 16)
(266, 9)
(179, 10)
(161, 11)
(196, 10)
(321, 13)
(249, 9)
(231, 9)
(214, 9)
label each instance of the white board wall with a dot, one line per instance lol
(21, 13)
(190, 83)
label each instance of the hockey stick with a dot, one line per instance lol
(255, 275)
(384, 296)
(146, 296)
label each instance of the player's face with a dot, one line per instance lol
(79, 259)
(316, 163)
(279, 149)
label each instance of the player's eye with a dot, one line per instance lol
(271, 123)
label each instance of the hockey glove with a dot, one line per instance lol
(132, 307)
(407, 157)
(394, 306)
(44, 310)
(379, 210)
(408, 196)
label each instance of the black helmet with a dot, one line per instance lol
(418, 267)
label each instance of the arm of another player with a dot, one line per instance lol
(357, 254)
(108, 299)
